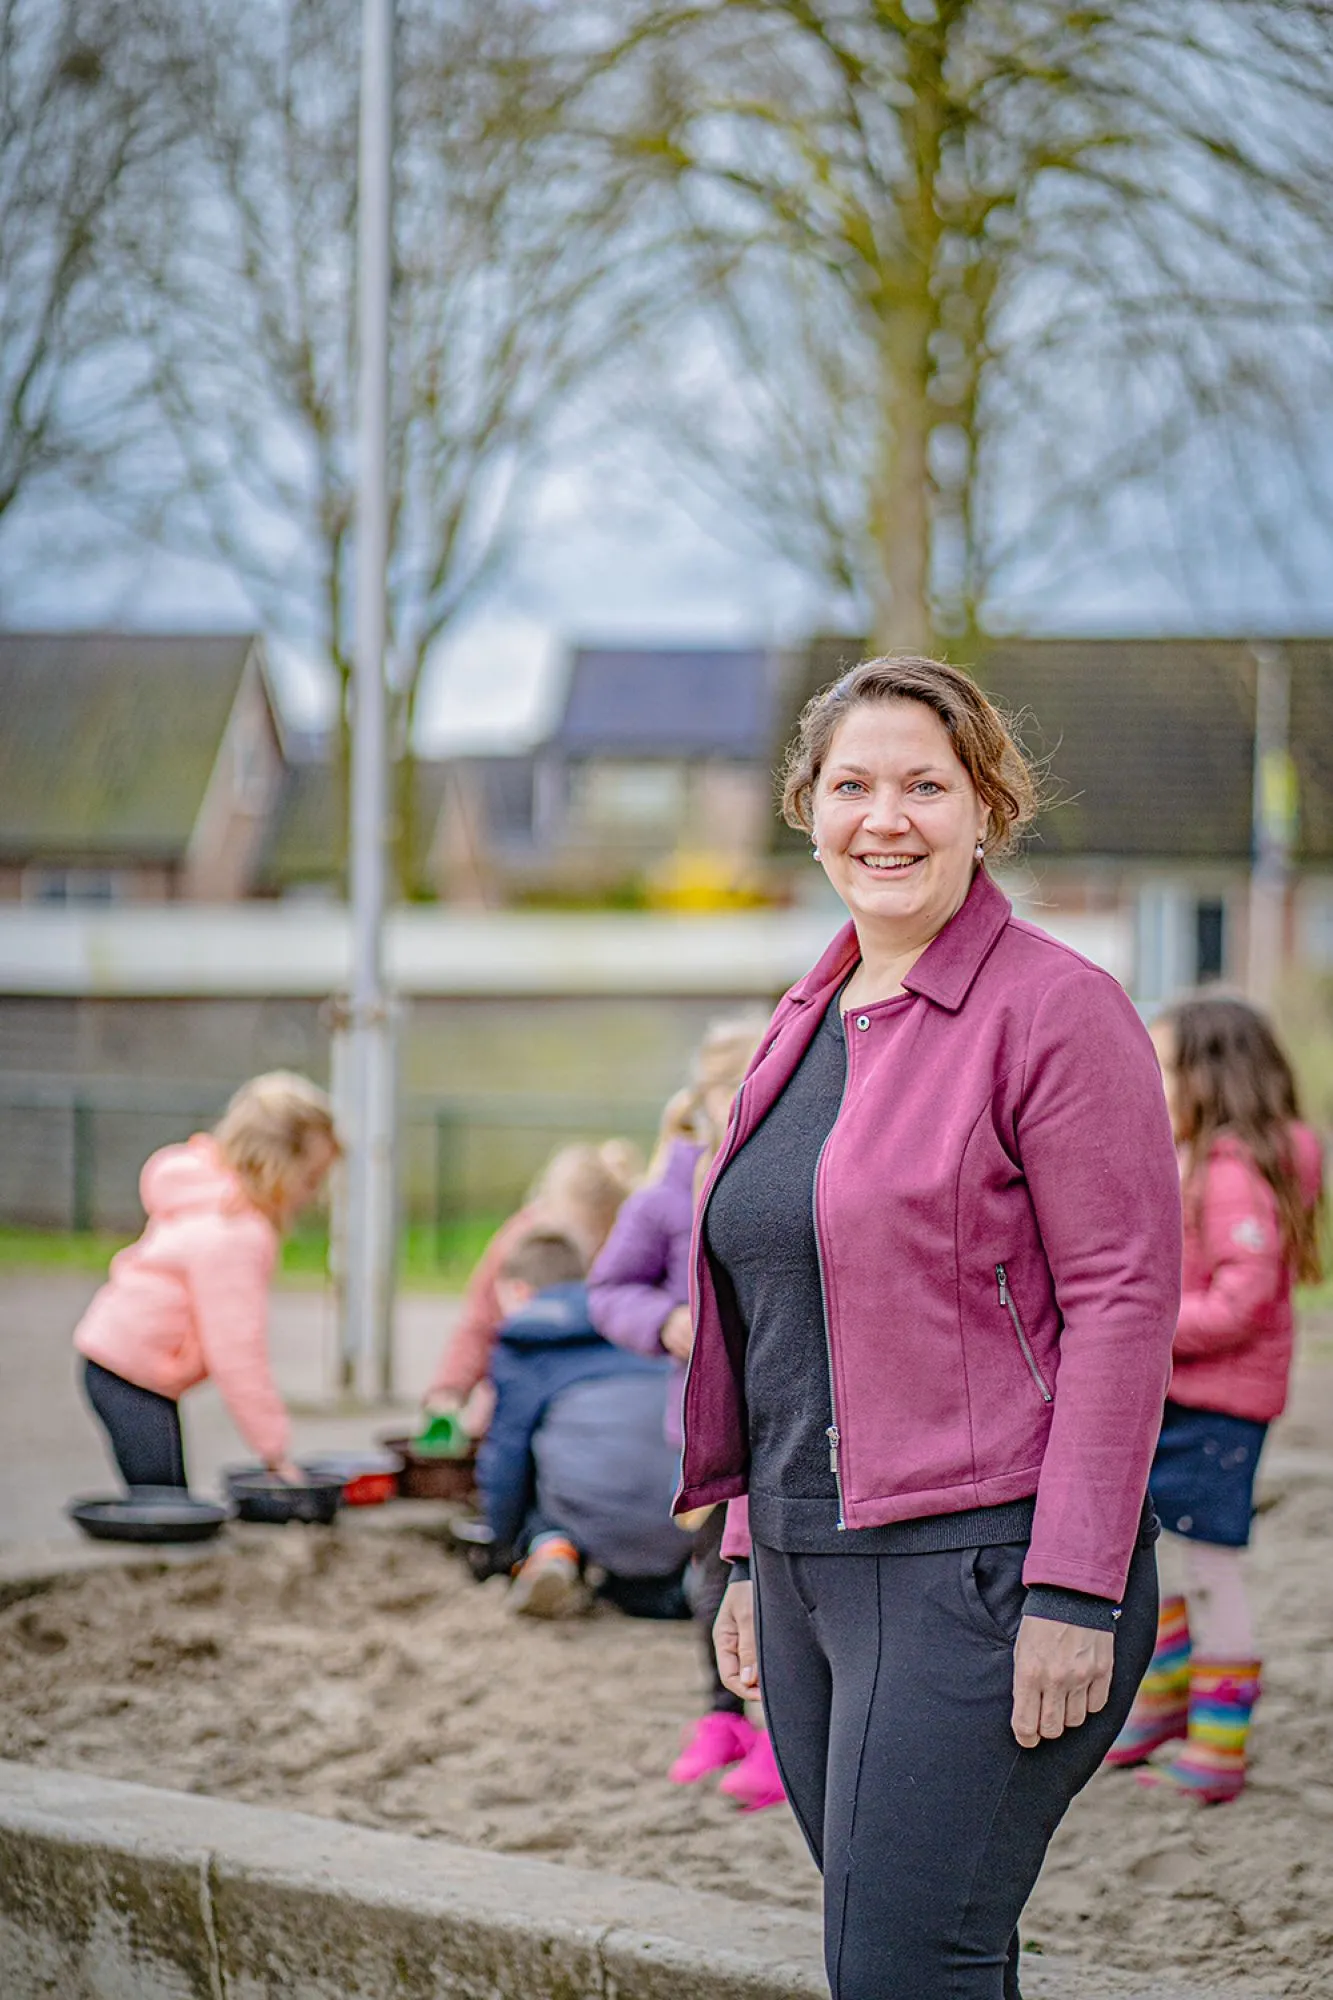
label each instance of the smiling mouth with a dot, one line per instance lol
(888, 864)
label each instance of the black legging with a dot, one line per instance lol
(888, 1684)
(144, 1428)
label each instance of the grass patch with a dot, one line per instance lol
(58, 1249)
(426, 1261)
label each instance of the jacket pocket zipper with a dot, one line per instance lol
(1007, 1301)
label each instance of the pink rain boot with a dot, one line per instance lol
(1211, 1767)
(755, 1783)
(712, 1743)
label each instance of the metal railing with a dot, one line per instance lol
(458, 1152)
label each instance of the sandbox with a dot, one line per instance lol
(365, 1677)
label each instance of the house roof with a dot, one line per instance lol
(108, 739)
(306, 843)
(667, 702)
(1149, 743)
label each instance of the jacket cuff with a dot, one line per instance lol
(1068, 1607)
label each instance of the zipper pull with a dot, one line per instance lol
(833, 1441)
(1002, 1281)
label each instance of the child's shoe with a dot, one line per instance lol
(715, 1741)
(1161, 1706)
(756, 1783)
(548, 1583)
(1211, 1767)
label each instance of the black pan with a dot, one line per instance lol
(259, 1495)
(148, 1514)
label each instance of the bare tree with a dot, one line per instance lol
(86, 128)
(505, 285)
(955, 275)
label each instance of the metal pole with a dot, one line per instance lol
(1273, 822)
(368, 1281)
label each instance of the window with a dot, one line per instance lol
(1210, 920)
(647, 798)
(1181, 940)
(72, 885)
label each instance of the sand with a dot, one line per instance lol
(362, 1673)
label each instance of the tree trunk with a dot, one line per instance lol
(900, 522)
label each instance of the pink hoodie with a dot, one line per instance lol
(190, 1298)
(1232, 1350)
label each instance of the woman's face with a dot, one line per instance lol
(897, 820)
(1164, 1042)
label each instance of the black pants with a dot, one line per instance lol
(888, 1682)
(144, 1428)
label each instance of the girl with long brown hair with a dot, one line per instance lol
(1251, 1182)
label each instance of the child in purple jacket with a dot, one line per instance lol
(638, 1293)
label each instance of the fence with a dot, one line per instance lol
(71, 1148)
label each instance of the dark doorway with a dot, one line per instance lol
(1210, 923)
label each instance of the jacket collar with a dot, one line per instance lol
(946, 968)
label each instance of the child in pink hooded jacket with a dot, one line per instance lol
(189, 1299)
(1252, 1185)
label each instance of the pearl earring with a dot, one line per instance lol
(814, 854)
(981, 851)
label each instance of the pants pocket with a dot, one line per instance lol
(993, 1590)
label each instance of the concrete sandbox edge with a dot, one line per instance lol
(112, 1891)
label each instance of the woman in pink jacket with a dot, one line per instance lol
(1252, 1185)
(189, 1300)
(936, 1274)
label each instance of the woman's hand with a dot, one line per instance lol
(733, 1642)
(677, 1335)
(1062, 1675)
(284, 1469)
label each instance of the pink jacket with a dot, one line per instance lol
(998, 1214)
(190, 1298)
(1234, 1336)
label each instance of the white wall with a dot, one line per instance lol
(286, 949)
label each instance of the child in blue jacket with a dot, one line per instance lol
(575, 1467)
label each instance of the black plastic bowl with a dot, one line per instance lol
(148, 1514)
(259, 1495)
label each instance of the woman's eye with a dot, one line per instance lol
(849, 785)
(927, 785)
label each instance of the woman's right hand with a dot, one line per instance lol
(286, 1470)
(733, 1642)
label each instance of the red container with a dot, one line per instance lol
(369, 1477)
(370, 1489)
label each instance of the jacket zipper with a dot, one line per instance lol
(1007, 1301)
(834, 1432)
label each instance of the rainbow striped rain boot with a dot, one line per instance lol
(1211, 1767)
(1161, 1706)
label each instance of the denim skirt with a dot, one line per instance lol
(1202, 1478)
